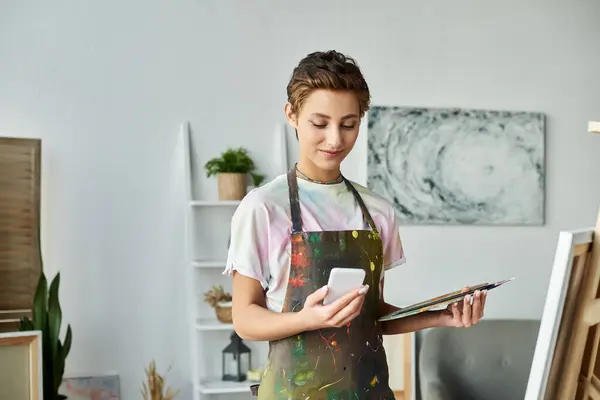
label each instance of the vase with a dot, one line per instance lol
(232, 186)
(223, 311)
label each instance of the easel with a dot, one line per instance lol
(575, 373)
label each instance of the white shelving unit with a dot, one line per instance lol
(204, 387)
(223, 388)
(208, 263)
(207, 324)
(214, 203)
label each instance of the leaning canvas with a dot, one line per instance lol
(97, 387)
(21, 365)
(458, 166)
(560, 308)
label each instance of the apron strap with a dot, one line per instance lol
(361, 204)
(295, 202)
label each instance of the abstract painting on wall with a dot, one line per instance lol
(458, 166)
(103, 387)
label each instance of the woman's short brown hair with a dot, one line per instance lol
(327, 70)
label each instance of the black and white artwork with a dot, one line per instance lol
(458, 166)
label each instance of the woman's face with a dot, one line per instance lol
(327, 128)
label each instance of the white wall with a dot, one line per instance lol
(106, 85)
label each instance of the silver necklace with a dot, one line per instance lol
(336, 180)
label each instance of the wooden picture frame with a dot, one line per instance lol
(20, 252)
(21, 365)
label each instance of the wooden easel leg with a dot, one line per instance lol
(579, 379)
(408, 338)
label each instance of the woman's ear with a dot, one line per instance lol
(290, 116)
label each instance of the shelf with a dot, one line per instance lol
(209, 263)
(215, 203)
(222, 387)
(212, 325)
(594, 126)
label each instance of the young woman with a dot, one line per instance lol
(287, 236)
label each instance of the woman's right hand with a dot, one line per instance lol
(315, 315)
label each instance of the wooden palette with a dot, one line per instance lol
(21, 365)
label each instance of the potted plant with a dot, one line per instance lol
(47, 318)
(232, 169)
(256, 179)
(154, 388)
(220, 300)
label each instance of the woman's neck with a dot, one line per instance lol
(314, 173)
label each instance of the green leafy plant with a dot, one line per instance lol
(231, 161)
(47, 318)
(257, 179)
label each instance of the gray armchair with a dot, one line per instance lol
(489, 361)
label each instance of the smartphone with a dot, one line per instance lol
(342, 281)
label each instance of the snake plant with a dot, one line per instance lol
(47, 318)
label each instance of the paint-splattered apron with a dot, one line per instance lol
(334, 363)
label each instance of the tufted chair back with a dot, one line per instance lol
(489, 361)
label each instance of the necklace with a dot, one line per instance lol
(336, 180)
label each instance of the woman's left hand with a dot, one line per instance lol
(466, 312)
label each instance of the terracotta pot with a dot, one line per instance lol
(232, 186)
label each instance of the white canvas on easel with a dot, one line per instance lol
(566, 353)
(567, 272)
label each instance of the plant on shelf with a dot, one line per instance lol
(231, 168)
(220, 300)
(257, 179)
(47, 318)
(154, 387)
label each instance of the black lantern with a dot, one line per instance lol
(236, 360)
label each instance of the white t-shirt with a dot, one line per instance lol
(260, 245)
